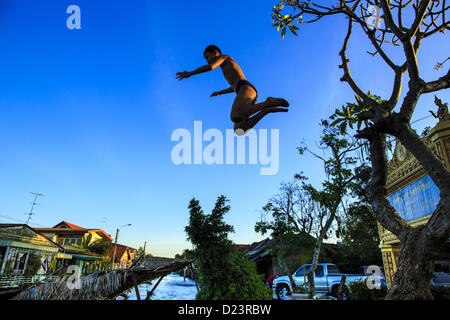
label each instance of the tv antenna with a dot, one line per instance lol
(34, 203)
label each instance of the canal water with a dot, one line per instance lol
(172, 287)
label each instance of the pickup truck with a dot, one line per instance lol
(326, 279)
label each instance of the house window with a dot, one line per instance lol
(69, 241)
(19, 263)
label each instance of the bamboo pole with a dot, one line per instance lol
(136, 288)
(149, 294)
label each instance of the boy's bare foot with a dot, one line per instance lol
(277, 102)
(251, 122)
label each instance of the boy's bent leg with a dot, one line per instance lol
(243, 107)
(241, 128)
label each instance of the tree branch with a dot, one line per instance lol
(385, 213)
(347, 77)
(441, 83)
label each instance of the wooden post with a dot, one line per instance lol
(136, 288)
(149, 294)
(194, 275)
(341, 287)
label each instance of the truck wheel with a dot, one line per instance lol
(335, 292)
(282, 291)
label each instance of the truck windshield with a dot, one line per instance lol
(300, 272)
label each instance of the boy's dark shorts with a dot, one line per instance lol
(246, 83)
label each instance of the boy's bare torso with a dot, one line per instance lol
(231, 71)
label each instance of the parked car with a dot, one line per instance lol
(327, 279)
(269, 281)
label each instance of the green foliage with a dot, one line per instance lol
(101, 247)
(244, 282)
(440, 293)
(303, 288)
(223, 272)
(358, 290)
(285, 21)
(351, 114)
(186, 255)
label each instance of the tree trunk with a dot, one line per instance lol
(287, 271)
(312, 270)
(315, 260)
(415, 269)
(341, 287)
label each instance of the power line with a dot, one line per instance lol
(421, 119)
(21, 221)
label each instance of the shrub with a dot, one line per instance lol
(440, 293)
(358, 290)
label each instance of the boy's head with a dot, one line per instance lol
(211, 52)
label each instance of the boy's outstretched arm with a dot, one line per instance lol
(218, 93)
(187, 74)
(209, 67)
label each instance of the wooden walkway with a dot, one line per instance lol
(107, 285)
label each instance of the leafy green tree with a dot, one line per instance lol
(223, 273)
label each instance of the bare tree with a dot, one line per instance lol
(288, 212)
(418, 245)
(291, 210)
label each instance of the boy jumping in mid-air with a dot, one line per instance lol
(244, 105)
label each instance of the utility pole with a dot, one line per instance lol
(115, 244)
(33, 204)
(145, 243)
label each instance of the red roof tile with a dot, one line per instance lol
(69, 225)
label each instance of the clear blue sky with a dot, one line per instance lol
(86, 115)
